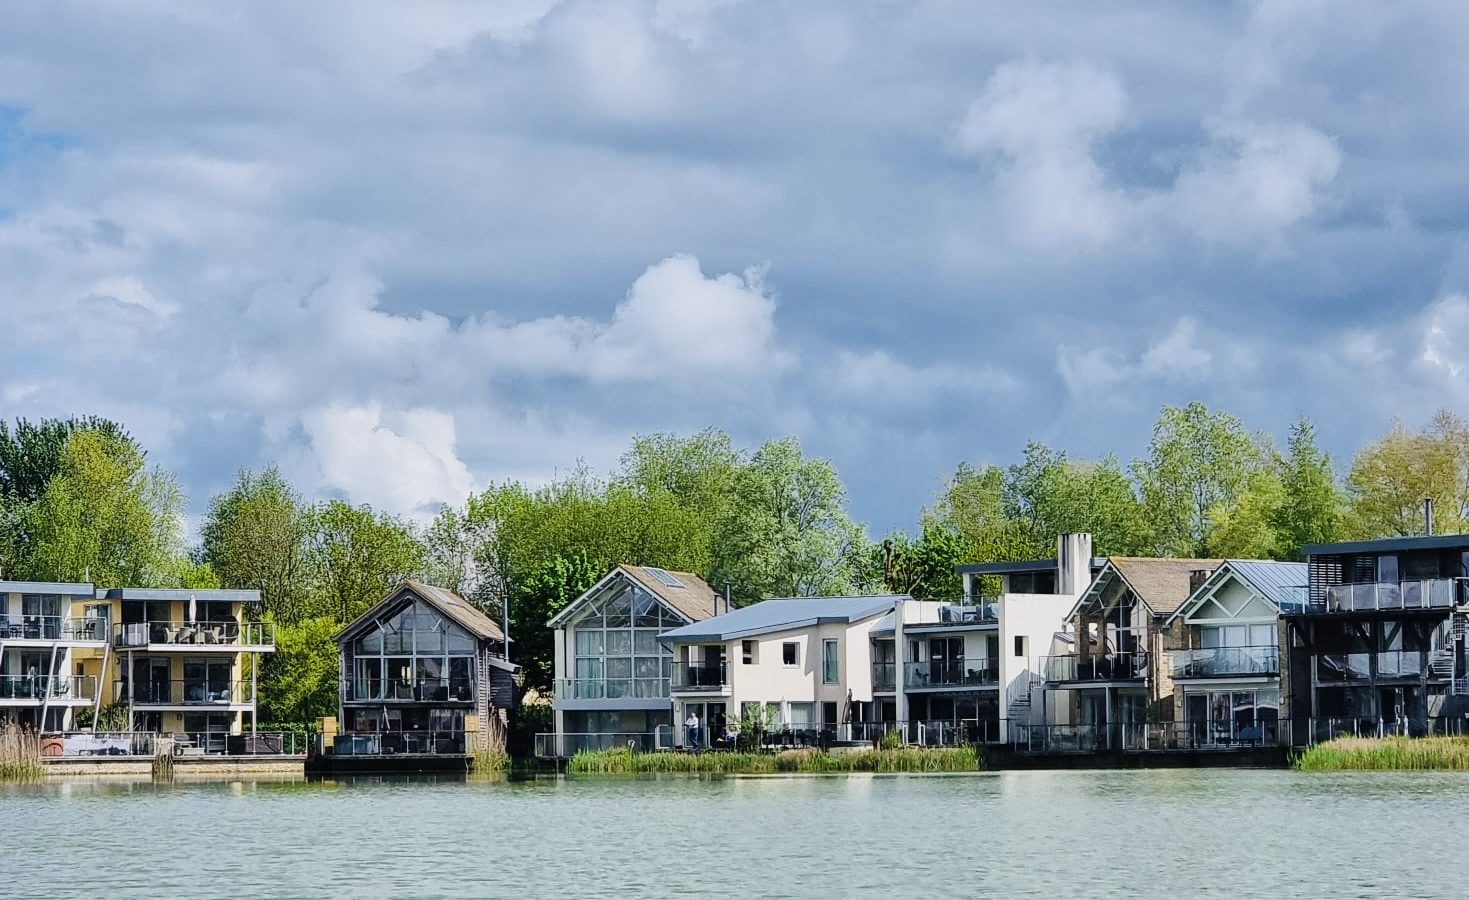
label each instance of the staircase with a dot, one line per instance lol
(1444, 663)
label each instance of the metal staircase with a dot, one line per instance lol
(1448, 661)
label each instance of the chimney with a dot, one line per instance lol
(1428, 516)
(1073, 563)
(1197, 577)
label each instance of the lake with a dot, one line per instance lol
(1126, 834)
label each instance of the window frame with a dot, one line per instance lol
(790, 654)
(831, 661)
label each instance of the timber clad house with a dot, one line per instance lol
(423, 674)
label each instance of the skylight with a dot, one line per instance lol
(664, 577)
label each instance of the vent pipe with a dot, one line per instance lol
(1428, 516)
(726, 597)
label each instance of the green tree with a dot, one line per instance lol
(1313, 507)
(1198, 462)
(31, 453)
(105, 516)
(539, 597)
(255, 537)
(922, 568)
(788, 532)
(1390, 478)
(1247, 529)
(973, 505)
(356, 557)
(299, 681)
(1049, 495)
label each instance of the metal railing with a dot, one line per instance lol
(388, 743)
(48, 687)
(611, 688)
(202, 692)
(699, 676)
(99, 743)
(194, 634)
(458, 690)
(549, 745)
(951, 673)
(1224, 661)
(1199, 735)
(1426, 593)
(52, 628)
(884, 676)
(1096, 667)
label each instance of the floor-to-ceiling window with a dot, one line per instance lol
(414, 654)
(617, 650)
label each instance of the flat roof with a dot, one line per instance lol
(1387, 545)
(69, 588)
(180, 594)
(1019, 568)
(783, 614)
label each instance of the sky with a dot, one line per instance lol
(404, 251)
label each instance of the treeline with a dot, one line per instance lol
(78, 500)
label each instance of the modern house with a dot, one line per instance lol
(46, 629)
(611, 671)
(1378, 647)
(801, 666)
(969, 667)
(1226, 668)
(1108, 676)
(423, 673)
(183, 661)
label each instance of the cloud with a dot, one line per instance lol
(1178, 355)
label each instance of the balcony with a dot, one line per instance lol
(1095, 668)
(47, 687)
(417, 690)
(611, 688)
(52, 628)
(951, 673)
(700, 677)
(884, 676)
(194, 635)
(1428, 593)
(1339, 667)
(188, 692)
(392, 743)
(1224, 662)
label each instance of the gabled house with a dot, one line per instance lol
(611, 672)
(422, 673)
(1113, 679)
(803, 665)
(1226, 670)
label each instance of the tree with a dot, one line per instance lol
(1050, 495)
(299, 681)
(973, 505)
(31, 454)
(1247, 529)
(538, 598)
(1198, 461)
(255, 537)
(1312, 510)
(106, 517)
(923, 568)
(1391, 477)
(787, 532)
(356, 557)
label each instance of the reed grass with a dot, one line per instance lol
(490, 761)
(20, 755)
(902, 759)
(1387, 754)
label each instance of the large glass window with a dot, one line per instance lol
(617, 649)
(414, 654)
(829, 662)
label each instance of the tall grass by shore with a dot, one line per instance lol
(901, 759)
(20, 755)
(1387, 754)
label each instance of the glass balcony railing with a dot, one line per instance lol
(457, 690)
(52, 628)
(951, 673)
(884, 676)
(611, 688)
(971, 613)
(187, 692)
(194, 634)
(1428, 593)
(47, 687)
(699, 676)
(387, 743)
(1220, 662)
(1103, 667)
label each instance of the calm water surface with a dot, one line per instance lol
(1149, 834)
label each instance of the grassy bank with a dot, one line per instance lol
(900, 759)
(20, 755)
(1387, 754)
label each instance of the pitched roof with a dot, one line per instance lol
(783, 614)
(1282, 584)
(453, 606)
(693, 599)
(1163, 584)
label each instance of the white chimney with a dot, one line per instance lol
(1073, 563)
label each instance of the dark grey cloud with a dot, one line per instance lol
(407, 253)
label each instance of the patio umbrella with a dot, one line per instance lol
(193, 608)
(847, 709)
